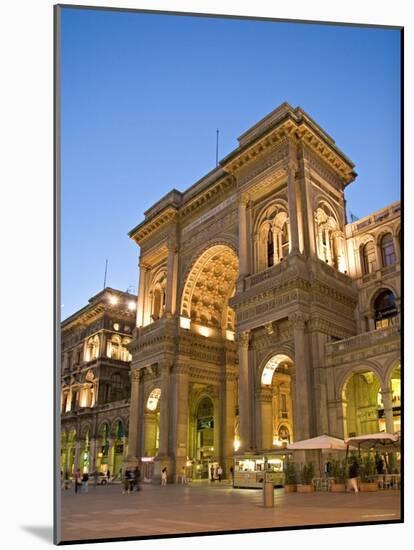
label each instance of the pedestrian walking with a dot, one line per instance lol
(125, 482)
(108, 475)
(164, 477)
(95, 478)
(183, 476)
(137, 478)
(77, 480)
(232, 475)
(353, 475)
(85, 479)
(212, 473)
(219, 472)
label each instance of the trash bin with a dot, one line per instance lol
(268, 494)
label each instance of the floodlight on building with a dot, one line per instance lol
(230, 335)
(132, 306)
(185, 322)
(113, 300)
(204, 331)
(236, 444)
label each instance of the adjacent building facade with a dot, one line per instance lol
(262, 317)
(95, 388)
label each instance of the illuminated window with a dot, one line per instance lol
(384, 309)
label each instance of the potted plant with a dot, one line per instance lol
(290, 477)
(307, 474)
(339, 472)
(367, 472)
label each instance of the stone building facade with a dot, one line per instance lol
(262, 315)
(95, 383)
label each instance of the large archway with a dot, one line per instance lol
(274, 403)
(360, 395)
(209, 285)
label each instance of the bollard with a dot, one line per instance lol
(268, 494)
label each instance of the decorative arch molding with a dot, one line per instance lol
(101, 425)
(382, 232)
(208, 285)
(368, 237)
(366, 366)
(270, 212)
(114, 425)
(377, 291)
(390, 366)
(86, 428)
(198, 396)
(284, 353)
(320, 200)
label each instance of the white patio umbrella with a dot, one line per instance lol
(381, 440)
(320, 443)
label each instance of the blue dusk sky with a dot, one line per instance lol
(143, 94)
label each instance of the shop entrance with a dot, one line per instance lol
(204, 438)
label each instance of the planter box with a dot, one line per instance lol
(338, 488)
(368, 487)
(306, 489)
(290, 488)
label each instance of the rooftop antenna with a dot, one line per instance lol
(217, 141)
(106, 269)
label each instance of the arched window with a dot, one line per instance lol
(158, 296)
(92, 348)
(330, 238)
(152, 402)
(284, 248)
(113, 347)
(270, 248)
(387, 250)
(272, 237)
(368, 258)
(384, 309)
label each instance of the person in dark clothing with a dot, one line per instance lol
(232, 475)
(353, 474)
(379, 464)
(212, 473)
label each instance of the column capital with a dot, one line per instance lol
(298, 319)
(244, 338)
(144, 266)
(244, 200)
(135, 375)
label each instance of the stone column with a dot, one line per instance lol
(293, 208)
(164, 409)
(243, 242)
(111, 458)
(92, 454)
(125, 448)
(180, 431)
(387, 401)
(143, 270)
(171, 290)
(265, 430)
(244, 401)
(150, 427)
(134, 431)
(303, 411)
(228, 420)
(76, 459)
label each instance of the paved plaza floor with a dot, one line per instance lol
(105, 512)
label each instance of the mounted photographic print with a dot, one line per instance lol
(229, 274)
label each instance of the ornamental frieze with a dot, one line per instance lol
(227, 223)
(253, 169)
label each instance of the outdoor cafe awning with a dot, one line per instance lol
(322, 442)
